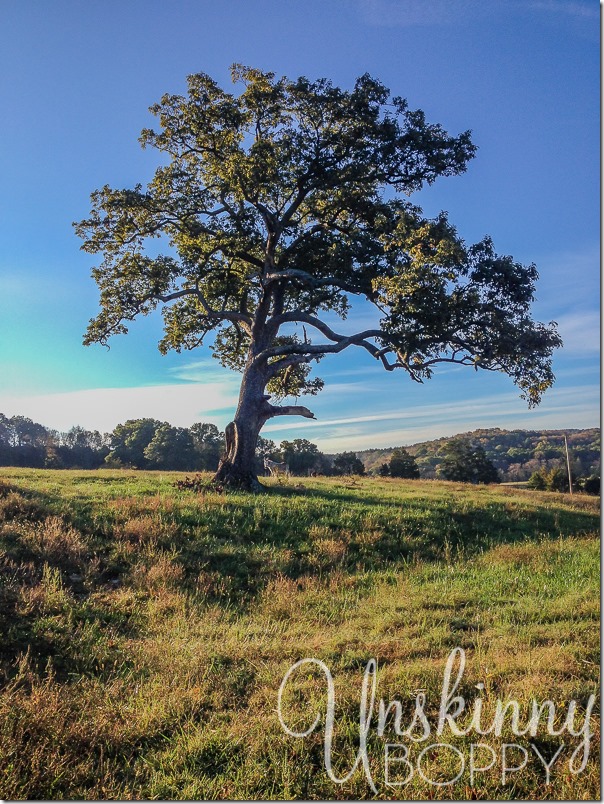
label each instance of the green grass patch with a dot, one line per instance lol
(147, 630)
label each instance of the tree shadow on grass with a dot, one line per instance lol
(485, 524)
(315, 532)
(228, 550)
(48, 575)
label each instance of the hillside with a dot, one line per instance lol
(147, 629)
(515, 453)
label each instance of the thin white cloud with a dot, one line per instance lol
(350, 372)
(419, 412)
(564, 407)
(580, 332)
(184, 403)
(205, 371)
(580, 370)
(568, 279)
(103, 408)
(571, 416)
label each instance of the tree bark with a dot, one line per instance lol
(237, 467)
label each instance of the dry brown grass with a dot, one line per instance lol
(156, 677)
(55, 541)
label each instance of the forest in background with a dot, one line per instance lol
(516, 454)
(151, 444)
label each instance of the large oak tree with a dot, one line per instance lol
(274, 207)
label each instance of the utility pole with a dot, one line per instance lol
(570, 477)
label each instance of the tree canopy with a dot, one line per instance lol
(466, 462)
(403, 464)
(272, 209)
(347, 463)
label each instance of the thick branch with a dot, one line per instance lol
(306, 318)
(304, 278)
(285, 362)
(290, 354)
(294, 206)
(340, 342)
(243, 255)
(288, 410)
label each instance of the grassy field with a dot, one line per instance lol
(146, 631)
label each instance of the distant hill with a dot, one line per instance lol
(515, 453)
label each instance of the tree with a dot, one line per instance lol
(129, 440)
(466, 462)
(27, 433)
(28, 441)
(403, 464)
(553, 479)
(519, 455)
(590, 485)
(208, 442)
(171, 448)
(347, 463)
(279, 204)
(557, 479)
(6, 440)
(84, 449)
(267, 448)
(301, 455)
(538, 481)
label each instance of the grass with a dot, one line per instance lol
(147, 631)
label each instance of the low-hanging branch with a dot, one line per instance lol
(305, 352)
(290, 410)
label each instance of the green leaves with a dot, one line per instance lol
(284, 200)
(466, 462)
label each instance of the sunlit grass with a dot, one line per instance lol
(147, 630)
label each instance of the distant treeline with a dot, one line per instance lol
(151, 444)
(139, 444)
(516, 454)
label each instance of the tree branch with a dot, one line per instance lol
(219, 315)
(295, 204)
(288, 410)
(340, 342)
(305, 352)
(285, 362)
(304, 278)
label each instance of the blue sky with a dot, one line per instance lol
(77, 81)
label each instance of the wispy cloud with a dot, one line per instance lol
(205, 371)
(569, 279)
(568, 292)
(563, 407)
(580, 332)
(193, 400)
(439, 411)
(103, 408)
(578, 416)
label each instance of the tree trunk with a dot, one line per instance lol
(237, 467)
